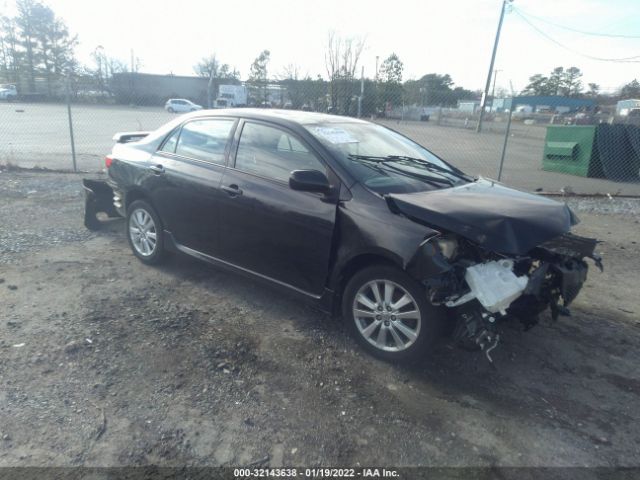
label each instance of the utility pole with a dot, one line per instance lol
(361, 92)
(377, 94)
(132, 86)
(483, 101)
(376, 76)
(506, 140)
(493, 90)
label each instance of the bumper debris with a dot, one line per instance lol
(98, 198)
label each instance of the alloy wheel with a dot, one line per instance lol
(142, 230)
(386, 315)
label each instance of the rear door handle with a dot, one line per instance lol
(157, 169)
(233, 190)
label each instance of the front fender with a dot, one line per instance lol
(377, 233)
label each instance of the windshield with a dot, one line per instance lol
(370, 153)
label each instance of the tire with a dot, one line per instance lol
(192, 110)
(406, 339)
(171, 110)
(141, 217)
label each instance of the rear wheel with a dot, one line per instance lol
(144, 232)
(388, 314)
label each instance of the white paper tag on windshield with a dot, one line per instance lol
(335, 135)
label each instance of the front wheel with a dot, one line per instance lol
(171, 110)
(388, 314)
(144, 232)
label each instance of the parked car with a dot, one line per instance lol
(8, 93)
(580, 118)
(349, 215)
(181, 105)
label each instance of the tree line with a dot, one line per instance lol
(37, 52)
(37, 48)
(343, 90)
(568, 82)
(35, 43)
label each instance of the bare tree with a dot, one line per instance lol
(290, 79)
(342, 55)
(290, 72)
(105, 67)
(341, 62)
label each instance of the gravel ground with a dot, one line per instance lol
(107, 362)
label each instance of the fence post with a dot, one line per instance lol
(504, 145)
(361, 93)
(73, 143)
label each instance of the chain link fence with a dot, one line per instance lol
(551, 144)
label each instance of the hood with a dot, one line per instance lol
(493, 216)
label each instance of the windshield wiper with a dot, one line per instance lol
(431, 180)
(425, 163)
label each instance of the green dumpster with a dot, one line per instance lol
(570, 149)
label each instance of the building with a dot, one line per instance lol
(544, 104)
(471, 106)
(151, 89)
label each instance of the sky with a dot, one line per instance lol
(430, 36)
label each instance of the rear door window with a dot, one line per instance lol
(205, 139)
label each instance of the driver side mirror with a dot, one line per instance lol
(309, 181)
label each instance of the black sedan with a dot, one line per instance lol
(348, 214)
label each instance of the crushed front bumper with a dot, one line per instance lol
(493, 288)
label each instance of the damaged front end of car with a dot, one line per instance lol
(481, 288)
(500, 254)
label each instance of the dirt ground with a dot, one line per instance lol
(107, 362)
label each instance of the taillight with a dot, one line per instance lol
(108, 161)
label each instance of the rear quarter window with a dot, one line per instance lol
(205, 140)
(170, 142)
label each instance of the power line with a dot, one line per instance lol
(571, 29)
(634, 59)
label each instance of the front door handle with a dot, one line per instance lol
(157, 169)
(233, 190)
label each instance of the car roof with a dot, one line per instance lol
(286, 117)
